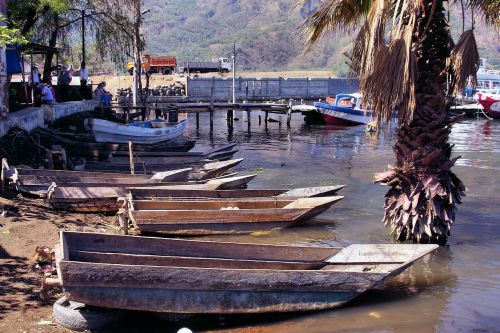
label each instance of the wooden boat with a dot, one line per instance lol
(35, 182)
(490, 103)
(105, 199)
(99, 151)
(345, 110)
(222, 216)
(145, 132)
(257, 194)
(190, 276)
(177, 158)
(102, 200)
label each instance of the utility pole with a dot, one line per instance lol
(234, 72)
(83, 35)
(230, 113)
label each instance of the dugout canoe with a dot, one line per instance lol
(221, 216)
(99, 151)
(191, 276)
(87, 199)
(175, 158)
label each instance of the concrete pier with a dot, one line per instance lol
(33, 117)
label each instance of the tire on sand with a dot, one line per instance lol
(79, 317)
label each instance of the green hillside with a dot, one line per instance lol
(265, 32)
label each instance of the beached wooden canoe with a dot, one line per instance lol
(200, 167)
(35, 182)
(145, 132)
(190, 276)
(105, 199)
(222, 216)
(257, 194)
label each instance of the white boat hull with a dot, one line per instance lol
(108, 131)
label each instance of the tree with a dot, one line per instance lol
(408, 75)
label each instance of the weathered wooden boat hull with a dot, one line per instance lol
(107, 131)
(225, 216)
(99, 151)
(105, 199)
(176, 159)
(188, 276)
(92, 201)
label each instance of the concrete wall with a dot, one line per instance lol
(276, 88)
(33, 117)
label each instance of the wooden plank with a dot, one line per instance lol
(97, 275)
(381, 253)
(194, 248)
(241, 203)
(199, 262)
(163, 217)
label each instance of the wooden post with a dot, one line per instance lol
(266, 116)
(249, 119)
(65, 160)
(50, 159)
(212, 107)
(289, 113)
(122, 220)
(131, 158)
(260, 119)
(197, 120)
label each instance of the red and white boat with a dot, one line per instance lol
(344, 110)
(490, 103)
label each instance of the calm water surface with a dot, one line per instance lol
(455, 290)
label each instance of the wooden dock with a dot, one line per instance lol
(212, 107)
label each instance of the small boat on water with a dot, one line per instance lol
(177, 158)
(345, 110)
(102, 199)
(490, 103)
(222, 216)
(99, 151)
(257, 194)
(190, 276)
(144, 132)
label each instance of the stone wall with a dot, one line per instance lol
(268, 88)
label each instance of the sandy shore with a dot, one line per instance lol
(21, 308)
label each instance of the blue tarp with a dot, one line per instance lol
(13, 55)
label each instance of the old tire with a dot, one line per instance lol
(79, 317)
(167, 71)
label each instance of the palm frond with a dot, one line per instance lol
(334, 15)
(464, 61)
(387, 76)
(488, 9)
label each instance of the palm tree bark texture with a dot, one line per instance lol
(420, 205)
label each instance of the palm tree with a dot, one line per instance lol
(412, 68)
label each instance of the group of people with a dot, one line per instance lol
(44, 93)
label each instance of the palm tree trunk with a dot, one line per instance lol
(420, 206)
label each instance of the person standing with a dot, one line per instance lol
(84, 77)
(34, 81)
(63, 81)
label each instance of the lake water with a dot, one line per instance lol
(457, 289)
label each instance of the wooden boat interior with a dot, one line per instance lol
(154, 251)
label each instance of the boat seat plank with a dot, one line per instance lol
(83, 274)
(242, 203)
(380, 253)
(200, 262)
(179, 247)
